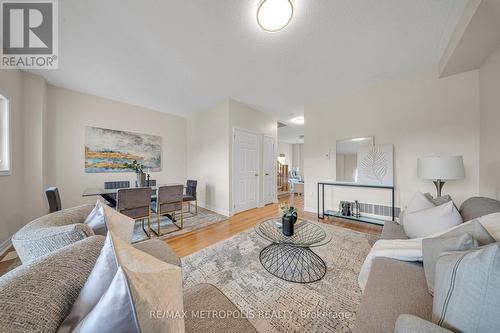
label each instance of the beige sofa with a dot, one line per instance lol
(38, 295)
(396, 297)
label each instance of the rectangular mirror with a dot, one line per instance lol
(347, 158)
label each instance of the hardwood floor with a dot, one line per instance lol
(201, 238)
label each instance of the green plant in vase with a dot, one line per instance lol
(288, 219)
(138, 168)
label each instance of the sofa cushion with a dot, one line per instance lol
(51, 232)
(205, 298)
(433, 247)
(475, 207)
(37, 297)
(467, 290)
(393, 288)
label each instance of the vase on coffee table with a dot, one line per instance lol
(287, 224)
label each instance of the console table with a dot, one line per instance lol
(321, 199)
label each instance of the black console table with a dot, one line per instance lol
(321, 199)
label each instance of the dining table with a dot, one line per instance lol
(109, 194)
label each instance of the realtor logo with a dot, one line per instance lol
(29, 34)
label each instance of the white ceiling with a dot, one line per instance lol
(185, 56)
(291, 134)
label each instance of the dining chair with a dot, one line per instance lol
(136, 204)
(169, 201)
(53, 198)
(191, 195)
(115, 185)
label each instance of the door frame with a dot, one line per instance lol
(259, 164)
(274, 173)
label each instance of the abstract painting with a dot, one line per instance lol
(109, 150)
(375, 165)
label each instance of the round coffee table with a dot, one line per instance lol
(291, 258)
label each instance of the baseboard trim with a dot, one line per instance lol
(5, 246)
(214, 209)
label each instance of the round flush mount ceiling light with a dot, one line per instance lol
(298, 120)
(274, 15)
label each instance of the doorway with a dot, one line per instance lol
(269, 156)
(245, 170)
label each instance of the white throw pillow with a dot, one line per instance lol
(104, 218)
(429, 221)
(417, 203)
(125, 285)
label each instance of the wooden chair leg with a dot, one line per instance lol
(149, 224)
(158, 218)
(182, 218)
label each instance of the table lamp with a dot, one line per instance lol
(440, 169)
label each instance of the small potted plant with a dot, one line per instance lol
(138, 168)
(288, 219)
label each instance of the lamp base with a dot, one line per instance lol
(439, 186)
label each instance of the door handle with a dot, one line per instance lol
(256, 175)
(267, 174)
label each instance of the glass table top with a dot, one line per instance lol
(306, 234)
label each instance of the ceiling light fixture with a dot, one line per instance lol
(274, 15)
(298, 120)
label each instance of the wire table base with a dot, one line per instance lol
(292, 263)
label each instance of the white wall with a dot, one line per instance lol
(286, 148)
(210, 143)
(421, 115)
(489, 81)
(208, 156)
(11, 187)
(34, 145)
(68, 113)
(298, 158)
(243, 116)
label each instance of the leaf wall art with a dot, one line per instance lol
(375, 165)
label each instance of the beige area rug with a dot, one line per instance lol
(192, 222)
(274, 305)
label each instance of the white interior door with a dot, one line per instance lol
(269, 170)
(245, 170)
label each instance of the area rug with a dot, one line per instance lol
(274, 305)
(192, 222)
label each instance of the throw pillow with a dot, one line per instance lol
(491, 223)
(433, 247)
(467, 290)
(438, 200)
(474, 228)
(96, 220)
(417, 203)
(135, 282)
(104, 218)
(429, 221)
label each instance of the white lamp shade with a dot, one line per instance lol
(441, 168)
